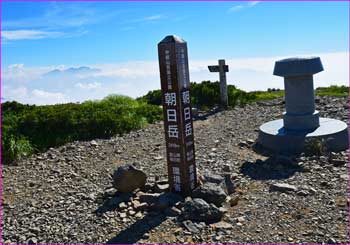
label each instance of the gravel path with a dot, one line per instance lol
(52, 197)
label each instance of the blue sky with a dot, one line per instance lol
(116, 42)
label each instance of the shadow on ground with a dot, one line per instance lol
(111, 201)
(275, 167)
(136, 231)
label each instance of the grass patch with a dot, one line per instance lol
(337, 91)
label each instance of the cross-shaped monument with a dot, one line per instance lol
(175, 84)
(222, 69)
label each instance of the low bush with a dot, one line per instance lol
(26, 128)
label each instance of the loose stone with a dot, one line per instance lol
(283, 187)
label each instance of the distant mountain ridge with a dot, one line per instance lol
(72, 71)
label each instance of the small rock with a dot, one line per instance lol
(148, 197)
(172, 212)
(218, 238)
(211, 193)
(157, 158)
(199, 210)
(243, 144)
(122, 205)
(213, 178)
(212, 154)
(303, 193)
(116, 200)
(161, 186)
(166, 200)
(332, 241)
(283, 187)
(93, 143)
(233, 200)
(138, 215)
(344, 176)
(241, 219)
(221, 225)
(122, 215)
(250, 141)
(312, 190)
(190, 226)
(141, 206)
(226, 168)
(229, 184)
(127, 178)
(32, 240)
(337, 162)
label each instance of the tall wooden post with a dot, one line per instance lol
(175, 84)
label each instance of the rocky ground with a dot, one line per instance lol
(65, 195)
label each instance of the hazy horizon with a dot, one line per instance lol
(68, 52)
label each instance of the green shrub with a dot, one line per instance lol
(206, 95)
(315, 147)
(153, 97)
(339, 91)
(54, 125)
(14, 149)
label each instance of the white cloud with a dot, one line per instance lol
(36, 96)
(256, 73)
(248, 4)
(135, 69)
(58, 15)
(18, 73)
(150, 18)
(88, 86)
(79, 83)
(253, 3)
(44, 97)
(58, 20)
(29, 34)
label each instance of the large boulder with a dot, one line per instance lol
(199, 210)
(211, 193)
(127, 178)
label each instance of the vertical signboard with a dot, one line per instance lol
(175, 84)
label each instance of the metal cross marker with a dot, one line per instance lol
(222, 69)
(175, 84)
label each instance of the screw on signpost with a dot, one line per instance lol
(175, 85)
(222, 69)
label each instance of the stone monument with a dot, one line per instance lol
(222, 69)
(175, 85)
(300, 120)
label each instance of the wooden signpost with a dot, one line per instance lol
(222, 69)
(175, 84)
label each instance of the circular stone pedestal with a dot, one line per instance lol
(275, 137)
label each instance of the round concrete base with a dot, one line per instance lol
(275, 137)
